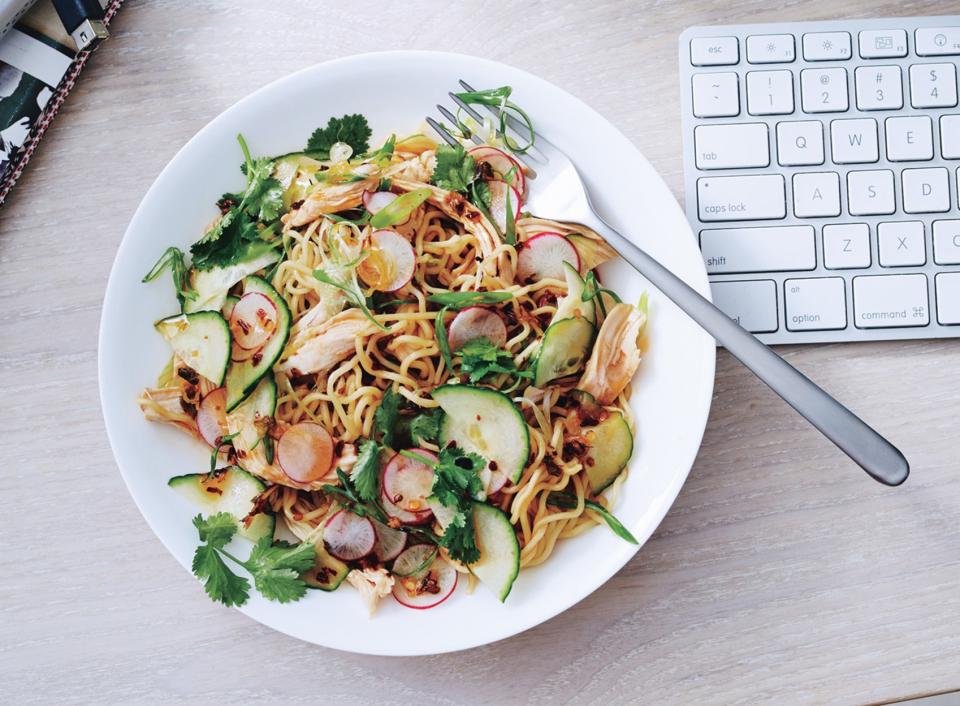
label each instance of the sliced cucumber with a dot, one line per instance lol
(200, 340)
(565, 348)
(211, 286)
(230, 490)
(243, 375)
(327, 573)
(261, 403)
(572, 304)
(227, 309)
(499, 550)
(486, 422)
(611, 445)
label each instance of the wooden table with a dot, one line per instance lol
(782, 574)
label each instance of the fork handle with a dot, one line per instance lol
(877, 456)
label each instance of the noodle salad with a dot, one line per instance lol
(404, 378)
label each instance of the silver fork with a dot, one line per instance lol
(561, 195)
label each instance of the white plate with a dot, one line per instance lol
(395, 91)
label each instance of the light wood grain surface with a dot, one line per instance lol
(781, 575)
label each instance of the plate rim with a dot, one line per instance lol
(701, 284)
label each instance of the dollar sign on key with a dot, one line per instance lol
(933, 75)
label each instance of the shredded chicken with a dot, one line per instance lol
(419, 168)
(163, 405)
(373, 585)
(331, 303)
(330, 199)
(615, 356)
(316, 349)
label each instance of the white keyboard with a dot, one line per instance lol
(822, 165)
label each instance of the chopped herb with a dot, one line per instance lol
(440, 330)
(385, 418)
(567, 501)
(222, 443)
(365, 473)
(510, 233)
(480, 358)
(425, 427)
(455, 171)
(353, 294)
(593, 290)
(384, 152)
(499, 98)
(461, 300)
(175, 260)
(399, 210)
(352, 129)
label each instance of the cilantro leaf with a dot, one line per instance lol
(276, 568)
(365, 473)
(385, 418)
(221, 584)
(425, 427)
(480, 358)
(217, 529)
(457, 476)
(455, 169)
(459, 537)
(352, 129)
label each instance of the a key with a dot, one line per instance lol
(770, 49)
(769, 92)
(816, 194)
(946, 242)
(933, 85)
(937, 41)
(878, 87)
(870, 192)
(948, 297)
(752, 304)
(926, 190)
(741, 198)
(824, 90)
(815, 304)
(950, 136)
(882, 43)
(714, 51)
(901, 244)
(731, 146)
(826, 46)
(800, 143)
(909, 138)
(888, 301)
(763, 249)
(716, 95)
(846, 246)
(854, 141)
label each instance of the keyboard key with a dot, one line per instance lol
(901, 244)
(926, 190)
(715, 95)
(800, 143)
(816, 194)
(769, 92)
(770, 49)
(878, 87)
(946, 242)
(888, 301)
(824, 90)
(854, 141)
(826, 46)
(767, 249)
(816, 304)
(948, 297)
(937, 41)
(741, 198)
(846, 246)
(909, 138)
(714, 51)
(933, 85)
(731, 146)
(752, 304)
(883, 43)
(870, 193)
(950, 136)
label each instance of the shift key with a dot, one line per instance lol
(741, 198)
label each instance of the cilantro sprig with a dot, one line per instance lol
(481, 358)
(275, 568)
(352, 129)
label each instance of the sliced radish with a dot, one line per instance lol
(390, 542)
(349, 537)
(390, 263)
(373, 201)
(407, 518)
(212, 416)
(476, 322)
(408, 483)
(305, 452)
(253, 320)
(494, 482)
(427, 587)
(238, 354)
(543, 255)
(502, 164)
(500, 191)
